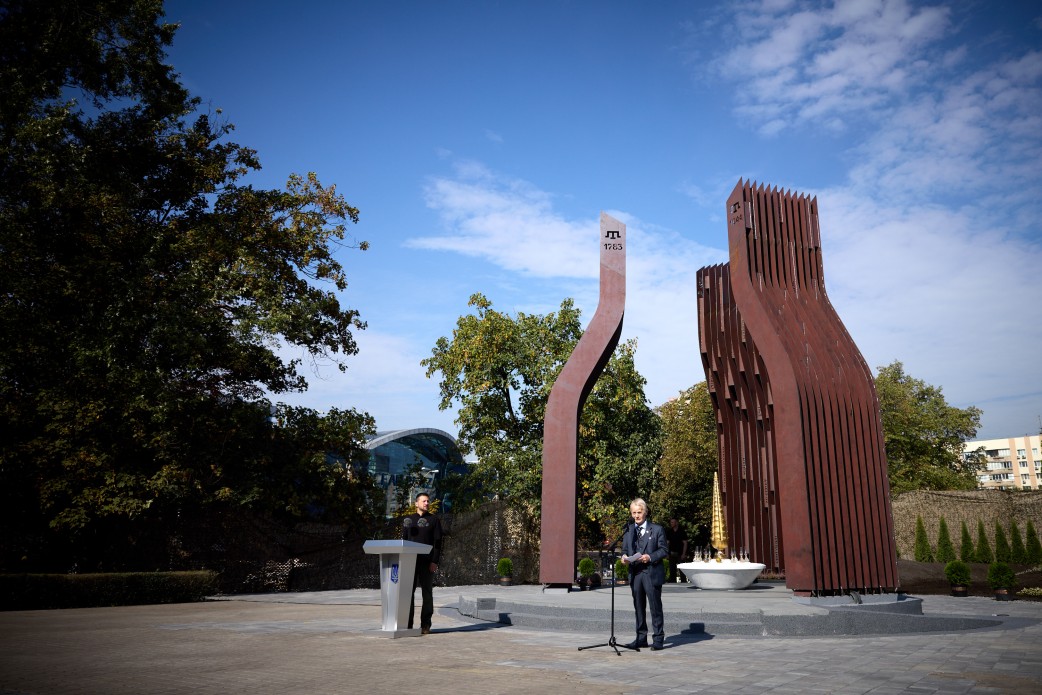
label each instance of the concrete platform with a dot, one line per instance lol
(762, 610)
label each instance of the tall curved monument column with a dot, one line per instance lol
(561, 424)
(802, 466)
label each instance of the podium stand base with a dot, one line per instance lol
(395, 634)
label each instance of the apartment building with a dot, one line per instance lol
(1012, 464)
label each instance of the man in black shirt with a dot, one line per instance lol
(423, 527)
(677, 539)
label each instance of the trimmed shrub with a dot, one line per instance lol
(1034, 545)
(983, 554)
(945, 549)
(1001, 576)
(958, 573)
(1018, 553)
(44, 591)
(923, 551)
(586, 567)
(1003, 553)
(622, 571)
(966, 551)
(505, 567)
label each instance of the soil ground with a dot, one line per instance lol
(928, 578)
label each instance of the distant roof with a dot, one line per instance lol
(433, 443)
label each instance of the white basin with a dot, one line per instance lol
(721, 575)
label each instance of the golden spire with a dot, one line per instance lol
(718, 535)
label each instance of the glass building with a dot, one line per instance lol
(393, 454)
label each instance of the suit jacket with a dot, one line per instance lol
(655, 545)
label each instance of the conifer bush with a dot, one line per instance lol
(945, 549)
(983, 554)
(923, 551)
(1002, 549)
(1034, 545)
(1018, 553)
(967, 553)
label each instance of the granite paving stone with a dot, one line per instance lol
(330, 642)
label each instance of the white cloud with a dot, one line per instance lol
(931, 246)
(508, 222)
(820, 65)
(385, 378)
(514, 225)
(958, 308)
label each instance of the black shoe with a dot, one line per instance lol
(657, 647)
(636, 644)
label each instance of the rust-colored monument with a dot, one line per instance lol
(557, 557)
(802, 467)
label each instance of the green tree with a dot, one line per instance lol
(967, 553)
(498, 370)
(923, 551)
(1034, 545)
(1002, 549)
(689, 459)
(983, 553)
(145, 290)
(924, 435)
(1018, 553)
(945, 549)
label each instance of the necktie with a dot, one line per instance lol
(640, 532)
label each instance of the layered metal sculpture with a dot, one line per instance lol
(561, 423)
(802, 466)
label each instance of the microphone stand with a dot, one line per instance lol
(612, 642)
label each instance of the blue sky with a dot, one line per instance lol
(481, 140)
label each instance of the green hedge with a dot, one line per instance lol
(39, 591)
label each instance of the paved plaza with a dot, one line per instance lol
(330, 642)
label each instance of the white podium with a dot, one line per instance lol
(397, 571)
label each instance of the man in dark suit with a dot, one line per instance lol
(644, 547)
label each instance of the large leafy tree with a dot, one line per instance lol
(145, 289)
(924, 435)
(497, 371)
(689, 459)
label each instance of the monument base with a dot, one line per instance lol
(557, 588)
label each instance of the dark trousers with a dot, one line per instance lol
(644, 590)
(425, 581)
(674, 560)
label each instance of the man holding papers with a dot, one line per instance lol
(644, 547)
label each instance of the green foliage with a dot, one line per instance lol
(689, 459)
(498, 371)
(505, 567)
(924, 435)
(669, 569)
(923, 551)
(967, 553)
(152, 293)
(1018, 553)
(1002, 549)
(1001, 576)
(958, 573)
(1034, 545)
(945, 549)
(983, 554)
(586, 567)
(47, 591)
(622, 571)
